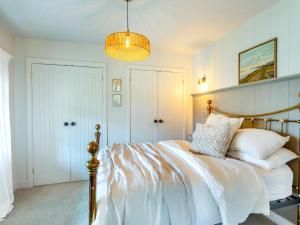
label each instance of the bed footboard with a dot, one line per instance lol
(92, 166)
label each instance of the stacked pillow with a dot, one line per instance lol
(211, 140)
(259, 147)
(234, 124)
(276, 160)
(262, 148)
(213, 137)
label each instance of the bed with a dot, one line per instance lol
(164, 183)
(278, 182)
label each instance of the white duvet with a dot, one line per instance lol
(165, 184)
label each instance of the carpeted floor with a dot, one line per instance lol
(64, 204)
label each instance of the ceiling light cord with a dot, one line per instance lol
(127, 16)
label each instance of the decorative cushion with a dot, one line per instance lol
(258, 143)
(276, 160)
(211, 140)
(234, 124)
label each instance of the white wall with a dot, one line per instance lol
(6, 40)
(117, 117)
(219, 61)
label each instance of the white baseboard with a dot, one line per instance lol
(21, 185)
(274, 217)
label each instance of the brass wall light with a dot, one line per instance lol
(202, 84)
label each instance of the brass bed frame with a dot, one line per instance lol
(256, 119)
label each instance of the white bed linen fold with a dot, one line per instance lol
(278, 181)
(163, 183)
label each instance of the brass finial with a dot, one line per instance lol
(281, 121)
(97, 133)
(97, 127)
(93, 148)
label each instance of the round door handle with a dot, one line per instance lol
(73, 124)
(160, 121)
(155, 121)
(66, 124)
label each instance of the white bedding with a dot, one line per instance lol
(278, 182)
(163, 183)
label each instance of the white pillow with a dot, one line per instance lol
(276, 160)
(234, 123)
(258, 143)
(211, 140)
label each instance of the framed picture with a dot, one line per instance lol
(258, 63)
(116, 100)
(116, 85)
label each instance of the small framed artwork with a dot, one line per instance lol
(116, 85)
(258, 63)
(116, 100)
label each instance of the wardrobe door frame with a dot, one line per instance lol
(29, 62)
(158, 69)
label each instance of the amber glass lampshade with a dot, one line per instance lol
(127, 46)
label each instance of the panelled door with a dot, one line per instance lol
(66, 104)
(143, 108)
(170, 105)
(156, 105)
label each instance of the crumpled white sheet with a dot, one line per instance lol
(165, 184)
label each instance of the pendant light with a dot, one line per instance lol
(127, 46)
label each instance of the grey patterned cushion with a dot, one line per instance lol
(211, 140)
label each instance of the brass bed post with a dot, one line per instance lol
(92, 166)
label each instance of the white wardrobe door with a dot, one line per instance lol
(49, 111)
(85, 111)
(64, 94)
(170, 105)
(143, 108)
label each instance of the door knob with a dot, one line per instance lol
(155, 121)
(73, 124)
(66, 124)
(160, 121)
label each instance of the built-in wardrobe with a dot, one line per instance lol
(156, 105)
(65, 101)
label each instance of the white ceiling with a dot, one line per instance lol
(179, 25)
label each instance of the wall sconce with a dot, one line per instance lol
(199, 84)
(202, 84)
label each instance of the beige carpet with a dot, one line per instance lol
(64, 204)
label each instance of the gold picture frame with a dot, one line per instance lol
(258, 62)
(116, 100)
(116, 85)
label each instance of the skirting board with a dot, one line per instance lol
(21, 185)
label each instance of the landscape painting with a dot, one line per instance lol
(258, 63)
